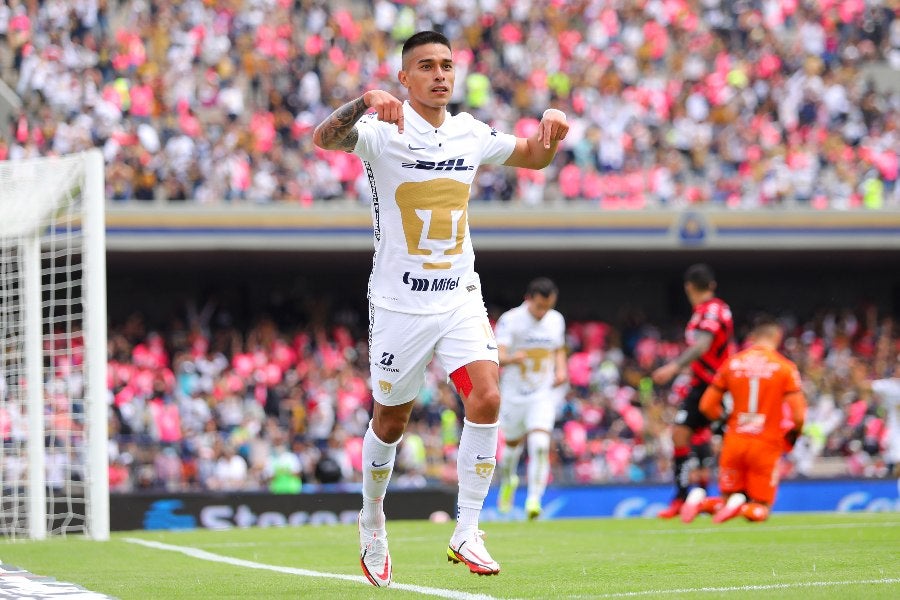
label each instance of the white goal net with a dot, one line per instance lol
(53, 402)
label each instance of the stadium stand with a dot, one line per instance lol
(672, 103)
(203, 404)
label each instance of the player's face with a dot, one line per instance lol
(538, 305)
(689, 291)
(429, 75)
(694, 294)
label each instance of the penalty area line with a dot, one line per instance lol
(748, 588)
(249, 564)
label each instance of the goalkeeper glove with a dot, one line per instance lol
(719, 426)
(790, 438)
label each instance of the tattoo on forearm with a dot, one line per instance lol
(339, 130)
(688, 356)
(701, 344)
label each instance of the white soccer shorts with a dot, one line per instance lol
(520, 414)
(402, 345)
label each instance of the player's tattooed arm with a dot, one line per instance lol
(338, 131)
(702, 341)
(664, 374)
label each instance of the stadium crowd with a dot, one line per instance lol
(201, 404)
(743, 103)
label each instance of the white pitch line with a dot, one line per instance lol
(239, 562)
(745, 588)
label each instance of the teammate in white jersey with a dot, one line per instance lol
(887, 391)
(532, 347)
(424, 295)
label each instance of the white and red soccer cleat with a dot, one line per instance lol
(469, 549)
(673, 510)
(731, 509)
(373, 554)
(692, 504)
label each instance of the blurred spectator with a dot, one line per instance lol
(119, 474)
(230, 471)
(168, 468)
(283, 468)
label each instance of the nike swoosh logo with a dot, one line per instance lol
(387, 568)
(489, 347)
(411, 147)
(480, 457)
(381, 465)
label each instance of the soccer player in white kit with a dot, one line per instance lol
(887, 390)
(424, 294)
(534, 370)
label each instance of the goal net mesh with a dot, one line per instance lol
(42, 347)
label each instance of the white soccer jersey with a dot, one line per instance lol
(889, 392)
(540, 340)
(420, 183)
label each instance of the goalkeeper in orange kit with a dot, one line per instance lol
(766, 419)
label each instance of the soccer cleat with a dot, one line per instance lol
(469, 549)
(532, 509)
(754, 511)
(507, 494)
(731, 509)
(373, 554)
(692, 504)
(672, 511)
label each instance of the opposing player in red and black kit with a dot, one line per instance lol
(709, 336)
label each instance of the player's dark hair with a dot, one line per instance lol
(542, 286)
(422, 38)
(701, 276)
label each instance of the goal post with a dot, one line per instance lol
(53, 385)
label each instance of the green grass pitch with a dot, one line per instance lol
(806, 556)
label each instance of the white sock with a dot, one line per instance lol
(509, 464)
(377, 466)
(538, 464)
(475, 466)
(695, 496)
(735, 500)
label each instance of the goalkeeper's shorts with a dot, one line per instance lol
(749, 466)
